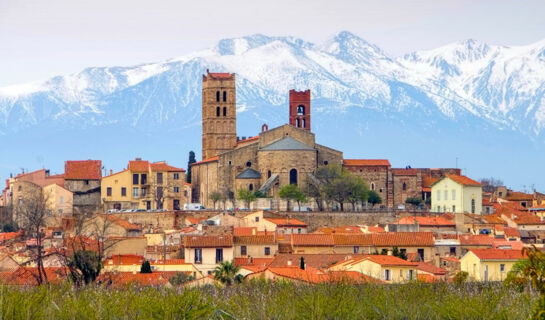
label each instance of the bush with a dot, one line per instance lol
(460, 278)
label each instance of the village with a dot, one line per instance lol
(274, 206)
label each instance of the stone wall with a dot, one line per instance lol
(315, 219)
(86, 193)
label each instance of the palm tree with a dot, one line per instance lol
(226, 273)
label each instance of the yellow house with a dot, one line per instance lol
(387, 268)
(207, 252)
(59, 201)
(453, 193)
(145, 186)
(489, 264)
(255, 246)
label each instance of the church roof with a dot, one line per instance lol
(249, 174)
(287, 143)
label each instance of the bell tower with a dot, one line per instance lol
(300, 109)
(219, 114)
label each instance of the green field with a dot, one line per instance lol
(262, 300)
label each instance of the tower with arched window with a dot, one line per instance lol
(300, 109)
(218, 113)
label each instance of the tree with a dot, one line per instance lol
(292, 192)
(414, 201)
(374, 198)
(89, 265)
(215, 197)
(398, 253)
(460, 278)
(358, 191)
(227, 273)
(146, 267)
(247, 196)
(314, 190)
(340, 185)
(191, 161)
(490, 184)
(180, 278)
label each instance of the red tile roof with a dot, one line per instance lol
(429, 268)
(83, 170)
(341, 230)
(497, 254)
(286, 222)
(312, 239)
(122, 223)
(124, 259)
(163, 166)
(220, 75)
(251, 261)
(139, 165)
(353, 239)
(427, 221)
(168, 262)
(208, 241)
(212, 159)
(519, 196)
(248, 140)
(463, 180)
(4, 236)
(366, 162)
(476, 240)
(428, 278)
(406, 239)
(427, 181)
(26, 276)
(511, 232)
(319, 261)
(309, 275)
(120, 279)
(385, 260)
(255, 240)
(245, 231)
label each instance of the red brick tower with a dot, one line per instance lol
(300, 109)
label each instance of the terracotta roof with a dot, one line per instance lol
(195, 220)
(206, 161)
(119, 279)
(427, 221)
(122, 223)
(406, 239)
(353, 239)
(366, 162)
(476, 240)
(525, 218)
(505, 244)
(319, 261)
(404, 172)
(251, 261)
(341, 230)
(255, 240)
(139, 165)
(429, 268)
(245, 231)
(386, 260)
(220, 75)
(312, 239)
(248, 140)
(511, 232)
(427, 181)
(83, 170)
(281, 222)
(519, 196)
(309, 275)
(452, 259)
(424, 277)
(497, 254)
(163, 166)
(9, 235)
(167, 262)
(25, 276)
(208, 241)
(463, 180)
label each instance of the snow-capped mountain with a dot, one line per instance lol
(451, 93)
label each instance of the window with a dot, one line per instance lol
(301, 110)
(299, 230)
(219, 255)
(438, 208)
(297, 123)
(135, 178)
(472, 205)
(198, 255)
(293, 176)
(453, 208)
(256, 219)
(135, 192)
(224, 111)
(452, 251)
(217, 96)
(176, 176)
(218, 111)
(109, 191)
(159, 177)
(269, 174)
(387, 275)
(372, 186)
(176, 204)
(248, 164)
(143, 178)
(143, 192)
(380, 190)
(224, 96)
(159, 193)
(356, 249)
(421, 254)
(403, 251)
(303, 123)
(267, 251)
(404, 186)
(444, 208)
(148, 204)
(446, 194)
(251, 187)
(243, 250)
(19, 188)
(502, 267)
(410, 274)
(400, 274)
(123, 191)
(176, 189)
(453, 194)
(86, 182)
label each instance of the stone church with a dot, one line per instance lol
(266, 162)
(284, 155)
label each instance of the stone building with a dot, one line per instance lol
(83, 179)
(284, 155)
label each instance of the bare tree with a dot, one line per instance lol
(490, 184)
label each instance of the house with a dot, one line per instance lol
(310, 275)
(426, 224)
(285, 225)
(145, 186)
(429, 273)
(419, 244)
(82, 178)
(353, 243)
(123, 263)
(489, 264)
(448, 247)
(312, 243)
(453, 193)
(207, 252)
(59, 202)
(255, 246)
(387, 268)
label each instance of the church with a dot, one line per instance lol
(276, 157)
(284, 155)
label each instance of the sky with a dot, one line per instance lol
(40, 39)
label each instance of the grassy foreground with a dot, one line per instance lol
(262, 300)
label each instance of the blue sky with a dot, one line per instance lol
(40, 39)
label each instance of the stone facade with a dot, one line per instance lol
(86, 194)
